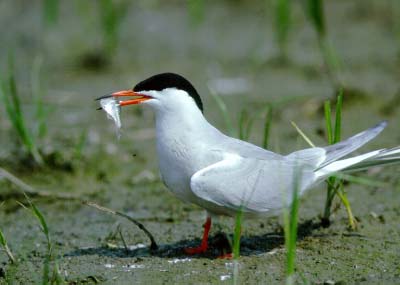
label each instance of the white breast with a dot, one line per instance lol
(181, 153)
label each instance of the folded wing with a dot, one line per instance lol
(255, 185)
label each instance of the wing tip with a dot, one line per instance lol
(375, 130)
(381, 125)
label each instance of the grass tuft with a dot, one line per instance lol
(10, 96)
(49, 275)
(335, 184)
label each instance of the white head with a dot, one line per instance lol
(165, 93)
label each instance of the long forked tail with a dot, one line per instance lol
(341, 149)
(332, 164)
(360, 162)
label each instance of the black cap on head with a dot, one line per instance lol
(162, 81)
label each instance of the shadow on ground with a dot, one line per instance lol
(219, 244)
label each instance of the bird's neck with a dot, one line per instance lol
(182, 142)
(182, 124)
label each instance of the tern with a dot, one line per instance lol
(224, 175)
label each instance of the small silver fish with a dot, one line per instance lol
(112, 108)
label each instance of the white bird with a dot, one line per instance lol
(223, 175)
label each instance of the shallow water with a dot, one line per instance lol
(123, 175)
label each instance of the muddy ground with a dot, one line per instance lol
(85, 159)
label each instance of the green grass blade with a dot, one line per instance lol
(56, 276)
(290, 226)
(267, 126)
(13, 106)
(335, 185)
(3, 243)
(237, 234)
(242, 121)
(42, 221)
(338, 117)
(46, 271)
(10, 97)
(343, 197)
(7, 102)
(45, 229)
(50, 11)
(14, 96)
(111, 15)
(248, 129)
(316, 15)
(236, 245)
(328, 122)
(282, 24)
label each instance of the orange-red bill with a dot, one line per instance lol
(140, 97)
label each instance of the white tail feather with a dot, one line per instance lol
(364, 161)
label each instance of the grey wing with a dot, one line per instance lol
(246, 149)
(255, 185)
(341, 149)
(318, 156)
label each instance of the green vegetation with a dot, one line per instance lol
(315, 14)
(10, 96)
(282, 25)
(196, 10)
(236, 245)
(290, 221)
(224, 111)
(111, 16)
(335, 185)
(49, 275)
(246, 120)
(267, 126)
(245, 125)
(314, 11)
(4, 245)
(50, 11)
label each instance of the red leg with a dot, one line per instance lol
(204, 243)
